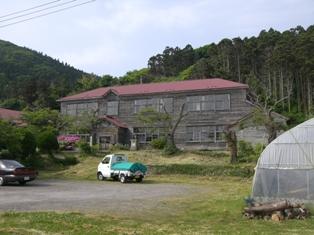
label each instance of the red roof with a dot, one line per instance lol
(9, 114)
(162, 87)
(115, 121)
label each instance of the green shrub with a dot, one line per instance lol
(95, 148)
(249, 153)
(5, 154)
(68, 161)
(34, 160)
(47, 141)
(170, 149)
(159, 143)
(84, 147)
(28, 143)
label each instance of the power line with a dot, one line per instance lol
(49, 13)
(34, 12)
(28, 9)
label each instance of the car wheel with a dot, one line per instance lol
(123, 179)
(100, 177)
(22, 182)
(2, 182)
(139, 180)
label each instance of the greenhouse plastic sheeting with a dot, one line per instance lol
(285, 169)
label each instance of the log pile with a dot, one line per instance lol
(276, 211)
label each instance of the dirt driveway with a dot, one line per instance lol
(89, 196)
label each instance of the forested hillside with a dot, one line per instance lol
(275, 65)
(29, 78)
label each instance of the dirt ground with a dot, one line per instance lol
(90, 196)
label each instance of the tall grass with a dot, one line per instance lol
(203, 170)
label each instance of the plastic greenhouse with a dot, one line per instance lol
(285, 168)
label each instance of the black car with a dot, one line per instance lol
(13, 171)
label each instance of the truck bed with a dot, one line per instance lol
(129, 166)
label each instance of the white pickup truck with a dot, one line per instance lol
(117, 167)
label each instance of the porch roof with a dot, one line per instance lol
(115, 121)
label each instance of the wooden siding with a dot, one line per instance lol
(238, 108)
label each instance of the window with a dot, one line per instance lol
(71, 109)
(220, 134)
(120, 158)
(106, 160)
(141, 104)
(159, 104)
(146, 135)
(222, 102)
(112, 107)
(194, 103)
(205, 134)
(165, 104)
(92, 106)
(209, 102)
(80, 108)
(10, 164)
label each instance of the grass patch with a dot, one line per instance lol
(196, 163)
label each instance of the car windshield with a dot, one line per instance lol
(10, 164)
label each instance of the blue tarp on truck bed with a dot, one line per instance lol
(129, 166)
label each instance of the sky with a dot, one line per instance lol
(116, 36)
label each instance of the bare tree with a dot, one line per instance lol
(231, 139)
(263, 113)
(170, 122)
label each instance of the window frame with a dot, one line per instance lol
(157, 104)
(111, 107)
(195, 134)
(206, 103)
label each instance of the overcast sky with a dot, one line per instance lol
(116, 36)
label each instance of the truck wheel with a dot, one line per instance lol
(100, 177)
(123, 179)
(2, 181)
(139, 180)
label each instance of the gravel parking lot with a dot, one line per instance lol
(85, 196)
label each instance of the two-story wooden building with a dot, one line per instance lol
(211, 105)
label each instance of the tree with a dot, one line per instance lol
(85, 123)
(28, 143)
(263, 115)
(231, 139)
(170, 122)
(87, 83)
(47, 141)
(135, 76)
(9, 140)
(42, 119)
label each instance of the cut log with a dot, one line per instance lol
(269, 208)
(277, 211)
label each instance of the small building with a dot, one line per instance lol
(12, 116)
(212, 104)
